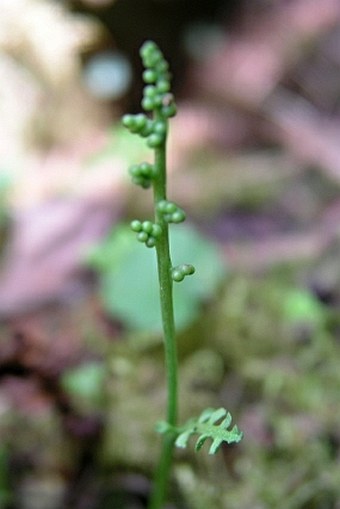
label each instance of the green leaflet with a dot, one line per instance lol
(128, 277)
(212, 424)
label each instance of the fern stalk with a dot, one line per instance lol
(212, 424)
(166, 300)
(165, 286)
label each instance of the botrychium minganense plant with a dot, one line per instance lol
(159, 105)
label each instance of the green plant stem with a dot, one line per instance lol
(213, 424)
(165, 283)
(161, 479)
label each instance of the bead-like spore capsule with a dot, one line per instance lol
(179, 272)
(154, 140)
(136, 226)
(147, 129)
(159, 127)
(171, 212)
(178, 216)
(158, 99)
(152, 57)
(148, 103)
(163, 85)
(142, 236)
(177, 275)
(163, 67)
(150, 91)
(151, 242)
(150, 76)
(134, 170)
(170, 207)
(188, 269)
(147, 226)
(156, 231)
(169, 111)
(128, 120)
(140, 121)
(146, 169)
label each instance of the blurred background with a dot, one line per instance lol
(254, 159)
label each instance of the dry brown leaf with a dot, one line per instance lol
(45, 36)
(47, 250)
(309, 135)
(248, 66)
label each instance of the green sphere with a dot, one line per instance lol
(147, 129)
(146, 184)
(150, 91)
(150, 76)
(187, 269)
(140, 121)
(146, 169)
(163, 85)
(151, 242)
(148, 104)
(178, 216)
(177, 275)
(169, 111)
(158, 100)
(154, 140)
(142, 236)
(128, 120)
(153, 58)
(159, 127)
(162, 67)
(136, 225)
(170, 207)
(156, 231)
(147, 226)
(134, 171)
(147, 49)
(162, 205)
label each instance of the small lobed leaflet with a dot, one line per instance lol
(211, 424)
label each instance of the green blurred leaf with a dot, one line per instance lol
(128, 277)
(121, 144)
(301, 306)
(108, 255)
(85, 382)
